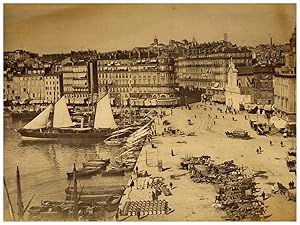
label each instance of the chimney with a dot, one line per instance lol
(149, 53)
(139, 54)
(129, 54)
(115, 55)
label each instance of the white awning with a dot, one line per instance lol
(278, 122)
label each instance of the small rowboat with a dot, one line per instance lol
(112, 203)
(86, 172)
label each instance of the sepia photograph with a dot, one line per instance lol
(149, 112)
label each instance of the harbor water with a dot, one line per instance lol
(43, 165)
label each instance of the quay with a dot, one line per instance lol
(191, 201)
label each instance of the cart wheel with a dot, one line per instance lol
(242, 210)
(237, 218)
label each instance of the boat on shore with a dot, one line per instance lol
(62, 126)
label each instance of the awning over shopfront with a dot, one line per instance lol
(278, 122)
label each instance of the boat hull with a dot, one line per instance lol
(66, 134)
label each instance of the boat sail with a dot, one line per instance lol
(104, 117)
(62, 116)
(40, 121)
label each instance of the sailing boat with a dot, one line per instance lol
(62, 126)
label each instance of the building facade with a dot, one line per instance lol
(53, 86)
(138, 78)
(76, 82)
(205, 66)
(28, 87)
(285, 86)
(239, 87)
(263, 85)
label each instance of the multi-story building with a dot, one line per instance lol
(239, 87)
(144, 77)
(79, 81)
(263, 85)
(53, 86)
(27, 87)
(285, 86)
(204, 66)
(75, 82)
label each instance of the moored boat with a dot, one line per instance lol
(62, 126)
(114, 172)
(87, 172)
(98, 190)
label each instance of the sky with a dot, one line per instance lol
(57, 28)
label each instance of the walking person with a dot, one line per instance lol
(271, 144)
(257, 151)
(281, 143)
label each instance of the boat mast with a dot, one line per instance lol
(75, 212)
(11, 210)
(19, 197)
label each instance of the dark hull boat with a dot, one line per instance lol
(87, 172)
(51, 134)
(97, 190)
(114, 172)
(62, 126)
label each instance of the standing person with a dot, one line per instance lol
(263, 195)
(257, 151)
(281, 143)
(138, 213)
(245, 117)
(214, 122)
(131, 185)
(271, 143)
(172, 152)
(171, 185)
(195, 116)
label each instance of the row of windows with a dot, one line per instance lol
(51, 88)
(51, 82)
(115, 75)
(31, 78)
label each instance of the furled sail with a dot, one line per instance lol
(40, 121)
(104, 117)
(61, 116)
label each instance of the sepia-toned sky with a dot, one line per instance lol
(49, 28)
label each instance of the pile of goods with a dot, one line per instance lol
(145, 208)
(235, 190)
